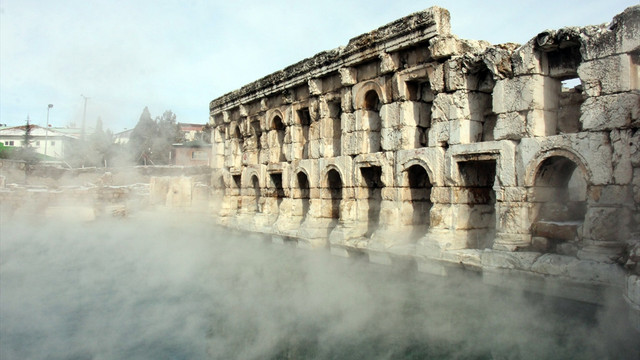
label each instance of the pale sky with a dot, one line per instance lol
(179, 55)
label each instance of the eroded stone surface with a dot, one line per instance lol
(412, 141)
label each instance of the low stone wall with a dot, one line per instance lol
(55, 175)
(84, 194)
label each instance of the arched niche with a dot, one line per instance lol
(372, 177)
(334, 186)
(255, 184)
(277, 188)
(303, 191)
(276, 137)
(237, 134)
(559, 197)
(371, 101)
(419, 195)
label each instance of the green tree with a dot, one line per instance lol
(100, 144)
(150, 141)
(168, 134)
(142, 138)
(26, 153)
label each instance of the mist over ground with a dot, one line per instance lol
(163, 286)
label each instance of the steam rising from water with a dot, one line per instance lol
(166, 287)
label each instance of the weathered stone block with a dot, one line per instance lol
(469, 195)
(348, 122)
(441, 194)
(552, 264)
(346, 100)
(314, 131)
(541, 122)
(606, 224)
(390, 139)
(314, 147)
(510, 126)
(525, 93)
(315, 86)
(610, 111)
(527, 61)
(511, 194)
(474, 217)
(447, 46)
(465, 132)
(414, 113)
(615, 195)
(596, 272)
(438, 134)
(441, 216)
(508, 260)
(367, 120)
(460, 105)
(606, 75)
(539, 243)
(373, 141)
(455, 78)
(390, 115)
(566, 231)
(512, 218)
(348, 76)
(620, 36)
(389, 62)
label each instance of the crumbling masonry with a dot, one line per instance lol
(521, 162)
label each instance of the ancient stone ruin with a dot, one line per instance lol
(521, 162)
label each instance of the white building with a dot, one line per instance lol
(122, 137)
(51, 142)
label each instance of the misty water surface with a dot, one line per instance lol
(174, 287)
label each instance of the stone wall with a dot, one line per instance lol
(54, 175)
(52, 192)
(412, 143)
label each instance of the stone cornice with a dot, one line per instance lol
(404, 32)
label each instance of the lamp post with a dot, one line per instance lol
(46, 131)
(84, 116)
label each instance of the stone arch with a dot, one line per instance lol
(369, 100)
(365, 91)
(323, 181)
(277, 122)
(420, 162)
(302, 169)
(277, 129)
(247, 175)
(303, 190)
(417, 181)
(534, 165)
(558, 194)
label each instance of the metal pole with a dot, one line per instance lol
(46, 131)
(84, 116)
